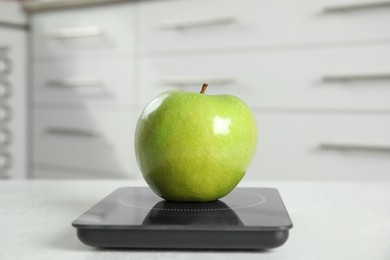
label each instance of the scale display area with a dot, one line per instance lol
(134, 217)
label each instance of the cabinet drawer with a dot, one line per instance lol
(322, 147)
(94, 31)
(105, 81)
(91, 140)
(194, 24)
(336, 78)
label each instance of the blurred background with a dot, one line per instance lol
(75, 75)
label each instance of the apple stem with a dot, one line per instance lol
(204, 88)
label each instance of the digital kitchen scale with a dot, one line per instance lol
(247, 218)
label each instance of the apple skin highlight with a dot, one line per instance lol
(195, 147)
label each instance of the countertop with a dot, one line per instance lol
(331, 221)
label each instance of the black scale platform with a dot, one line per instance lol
(247, 218)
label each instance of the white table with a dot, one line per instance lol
(331, 221)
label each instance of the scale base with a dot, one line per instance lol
(247, 218)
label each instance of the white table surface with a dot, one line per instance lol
(331, 221)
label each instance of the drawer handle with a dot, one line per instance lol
(356, 7)
(5, 161)
(5, 65)
(75, 82)
(5, 137)
(356, 77)
(64, 131)
(5, 90)
(188, 81)
(198, 22)
(5, 113)
(354, 147)
(78, 32)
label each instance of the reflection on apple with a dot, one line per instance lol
(215, 213)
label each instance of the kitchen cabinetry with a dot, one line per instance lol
(315, 73)
(322, 146)
(92, 32)
(98, 81)
(84, 93)
(94, 141)
(13, 96)
(356, 77)
(221, 24)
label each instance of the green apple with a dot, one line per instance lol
(195, 147)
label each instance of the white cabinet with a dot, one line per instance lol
(98, 141)
(326, 147)
(220, 24)
(91, 32)
(84, 93)
(13, 98)
(332, 78)
(315, 73)
(102, 81)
